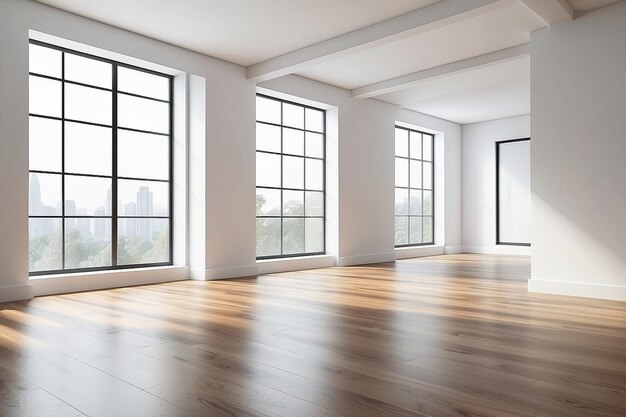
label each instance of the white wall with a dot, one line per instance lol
(578, 155)
(479, 182)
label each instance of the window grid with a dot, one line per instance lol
(422, 160)
(304, 190)
(114, 127)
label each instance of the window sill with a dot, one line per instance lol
(270, 266)
(419, 251)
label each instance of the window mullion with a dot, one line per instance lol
(62, 160)
(114, 197)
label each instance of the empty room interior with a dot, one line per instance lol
(313, 208)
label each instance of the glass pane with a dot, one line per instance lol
(44, 96)
(427, 227)
(267, 237)
(88, 71)
(88, 104)
(143, 83)
(143, 241)
(293, 141)
(402, 142)
(268, 110)
(267, 137)
(315, 145)
(314, 120)
(415, 205)
(293, 172)
(293, 115)
(415, 228)
(87, 196)
(428, 203)
(314, 233)
(314, 203)
(87, 243)
(402, 230)
(314, 174)
(45, 245)
(143, 198)
(416, 145)
(45, 61)
(44, 147)
(428, 175)
(416, 174)
(267, 202)
(402, 172)
(293, 203)
(131, 151)
(44, 195)
(88, 149)
(143, 114)
(293, 236)
(428, 147)
(267, 169)
(402, 201)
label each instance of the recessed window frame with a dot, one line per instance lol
(114, 177)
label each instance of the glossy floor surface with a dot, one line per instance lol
(443, 336)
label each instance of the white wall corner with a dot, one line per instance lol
(212, 274)
(16, 293)
(498, 250)
(452, 250)
(366, 259)
(578, 289)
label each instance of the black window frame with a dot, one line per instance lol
(422, 189)
(114, 217)
(304, 189)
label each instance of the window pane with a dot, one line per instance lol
(268, 110)
(293, 141)
(427, 227)
(268, 237)
(315, 145)
(293, 172)
(44, 195)
(88, 71)
(416, 145)
(293, 203)
(428, 147)
(415, 228)
(87, 196)
(402, 201)
(88, 149)
(428, 175)
(143, 241)
(131, 150)
(402, 172)
(87, 243)
(416, 174)
(267, 137)
(143, 198)
(44, 244)
(314, 203)
(88, 104)
(428, 203)
(143, 83)
(45, 61)
(44, 137)
(314, 120)
(143, 114)
(415, 205)
(402, 142)
(314, 174)
(267, 169)
(267, 202)
(293, 115)
(402, 230)
(293, 236)
(44, 96)
(314, 233)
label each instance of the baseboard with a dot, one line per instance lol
(223, 273)
(452, 250)
(373, 258)
(419, 251)
(273, 266)
(16, 293)
(578, 289)
(498, 250)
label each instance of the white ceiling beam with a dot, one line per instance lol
(410, 80)
(409, 24)
(551, 11)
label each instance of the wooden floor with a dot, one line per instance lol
(443, 336)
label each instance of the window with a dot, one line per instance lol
(414, 188)
(290, 179)
(100, 163)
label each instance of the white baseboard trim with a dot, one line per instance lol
(498, 250)
(578, 289)
(366, 259)
(452, 250)
(223, 273)
(16, 293)
(101, 280)
(272, 266)
(418, 252)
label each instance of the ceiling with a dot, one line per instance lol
(452, 61)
